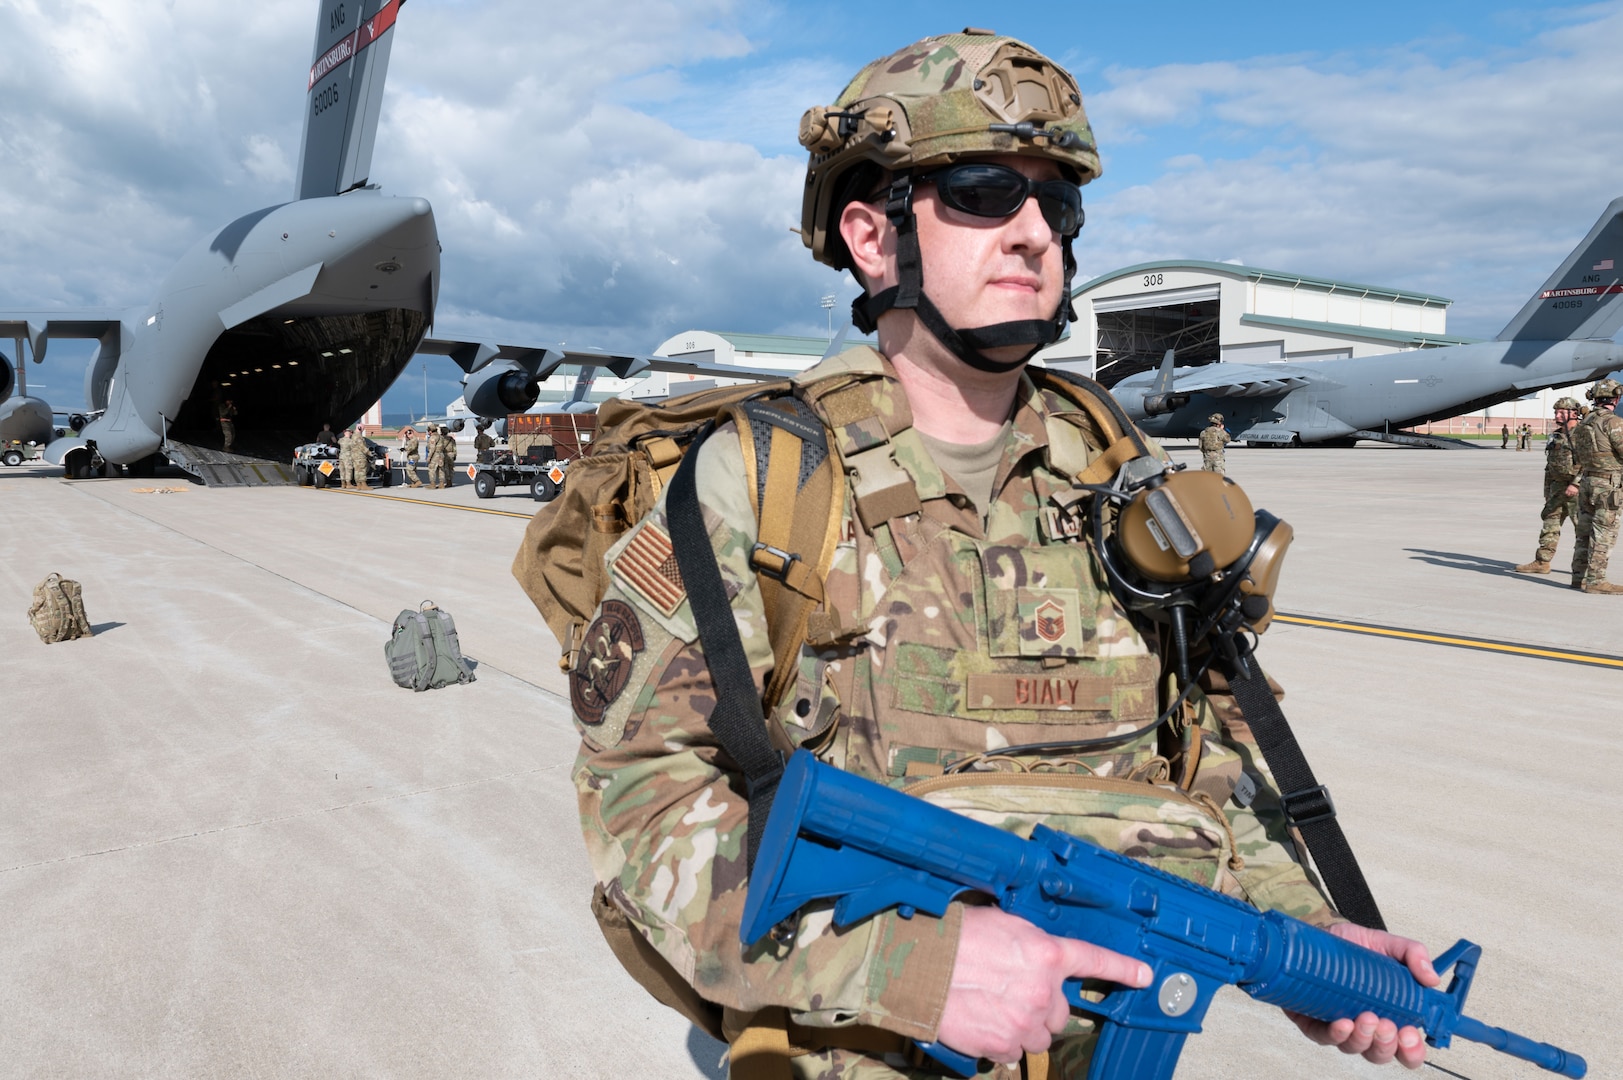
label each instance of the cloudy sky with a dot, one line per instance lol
(611, 174)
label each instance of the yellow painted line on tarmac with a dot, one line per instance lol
(1565, 656)
(431, 502)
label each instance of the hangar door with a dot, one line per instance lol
(1135, 331)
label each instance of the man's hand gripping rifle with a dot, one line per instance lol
(835, 836)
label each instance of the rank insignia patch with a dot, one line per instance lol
(648, 565)
(1050, 621)
(603, 668)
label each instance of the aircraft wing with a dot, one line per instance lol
(1240, 380)
(40, 326)
(471, 356)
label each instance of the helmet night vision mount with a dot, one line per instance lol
(1188, 550)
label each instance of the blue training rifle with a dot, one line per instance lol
(835, 836)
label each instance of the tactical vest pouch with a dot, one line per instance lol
(423, 650)
(58, 610)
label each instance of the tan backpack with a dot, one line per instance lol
(58, 610)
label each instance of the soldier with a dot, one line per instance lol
(360, 459)
(912, 186)
(346, 459)
(410, 448)
(1212, 441)
(228, 424)
(1504, 436)
(483, 443)
(325, 436)
(1597, 447)
(448, 454)
(436, 458)
(1559, 471)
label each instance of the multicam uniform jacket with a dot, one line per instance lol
(958, 634)
(1560, 469)
(1213, 438)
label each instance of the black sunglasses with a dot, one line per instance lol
(994, 191)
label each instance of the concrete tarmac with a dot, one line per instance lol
(231, 846)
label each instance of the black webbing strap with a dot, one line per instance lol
(1307, 802)
(737, 720)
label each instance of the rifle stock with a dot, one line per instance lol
(835, 836)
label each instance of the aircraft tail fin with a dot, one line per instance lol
(1581, 299)
(351, 59)
(1163, 377)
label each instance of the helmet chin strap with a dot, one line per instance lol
(967, 345)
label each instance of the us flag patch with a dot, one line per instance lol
(648, 565)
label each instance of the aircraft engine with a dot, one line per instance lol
(501, 388)
(8, 377)
(1156, 404)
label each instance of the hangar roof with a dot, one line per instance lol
(1402, 337)
(1272, 277)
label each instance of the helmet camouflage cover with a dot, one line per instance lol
(1605, 390)
(940, 99)
(1568, 403)
(1215, 418)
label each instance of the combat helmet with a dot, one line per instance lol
(1568, 403)
(1605, 390)
(1215, 418)
(936, 101)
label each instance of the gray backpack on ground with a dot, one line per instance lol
(423, 651)
(58, 610)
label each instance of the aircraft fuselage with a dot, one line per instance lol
(300, 314)
(1371, 393)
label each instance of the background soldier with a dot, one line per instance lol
(436, 458)
(326, 436)
(1504, 436)
(448, 455)
(1560, 470)
(1597, 446)
(360, 458)
(346, 459)
(1212, 441)
(482, 443)
(228, 424)
(410, 449)
(912, 186)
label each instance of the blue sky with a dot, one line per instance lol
(611, 176)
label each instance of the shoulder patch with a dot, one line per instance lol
(647, 566)
(607, 655)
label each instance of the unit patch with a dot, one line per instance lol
(647, 565)
(603, 669)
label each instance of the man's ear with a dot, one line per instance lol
(871, 240)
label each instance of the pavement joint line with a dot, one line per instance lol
(280, 818)
(301, 585)
(1457, 641)
(431, 502)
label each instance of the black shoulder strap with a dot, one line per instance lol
(737, 720)
(1307, 802)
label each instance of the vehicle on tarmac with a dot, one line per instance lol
(540, 447)
(503, 469)
(316, 465)
(14, 452)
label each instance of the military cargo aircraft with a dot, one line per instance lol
(1561, 336)
(299, 314)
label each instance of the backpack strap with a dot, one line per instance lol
(738, 720)
(798, 498)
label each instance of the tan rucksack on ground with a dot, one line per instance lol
(58, 610)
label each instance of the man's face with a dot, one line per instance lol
(981, 271)
(1565, 417)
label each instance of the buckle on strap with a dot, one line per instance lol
(772, 561)
(1308, 806)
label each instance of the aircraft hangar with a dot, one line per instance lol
(1211, 311)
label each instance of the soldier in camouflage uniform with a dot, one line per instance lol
(436, 458)
(1559, 471)
(346, 458)
(360, 458)
(410, 449)
(1212, 441)
(957, 620)
(1597, 446)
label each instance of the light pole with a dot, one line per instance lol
(425, 389)
(828, 303)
